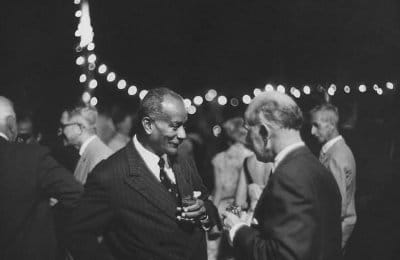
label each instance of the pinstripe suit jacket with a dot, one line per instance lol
(135, 214)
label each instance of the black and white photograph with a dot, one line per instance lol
(200, 130)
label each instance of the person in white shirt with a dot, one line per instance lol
(78, 127)
(338, 158)
(298, 213)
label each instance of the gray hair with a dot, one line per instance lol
(275, 108)
(88, 115)
(331, 113)
(6, 109)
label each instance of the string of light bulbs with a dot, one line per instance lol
(87, 60)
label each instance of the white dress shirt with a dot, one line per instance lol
(278, 158)
(151, 160)
(4, 136)
(85, 144)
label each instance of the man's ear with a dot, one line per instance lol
(147, 125)
(264, 133)
(11, 122)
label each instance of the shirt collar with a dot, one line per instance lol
(285, 151)
(151, 159)
(4, 136)
(330, 143)
(85, 144)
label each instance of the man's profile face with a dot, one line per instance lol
(70, 129)
(258, 141)
(169, 132)
(320, 127)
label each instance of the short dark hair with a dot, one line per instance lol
(151, 104)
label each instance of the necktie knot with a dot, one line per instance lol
(161, 163)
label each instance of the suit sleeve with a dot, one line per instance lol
(90, 220)
(57, 182)
(344, 176)
(198, 185)
(296, 230)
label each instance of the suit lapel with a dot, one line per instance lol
(142, 180)
(183, 184)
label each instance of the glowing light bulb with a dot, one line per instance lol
(307, 90)
(187, 102)
(93, 84)
(90, 46)
(191, 110)
(281, 89)
(78, 13)
(296, 93)
(111, 77)
(93, 101)
(102, 68)
(80, 60)
(143, 93)
(379, 91)
(269, 87)
(375, 87)
(198, 100)
(216, 130)
(77, 2)
(121, 84)
(257, 92)
(85, 97)
(347, 89)
(222, 100)
(92, 58)
(132, 90)
(389, 85)
(246, 99)
(362, 88)
(82, 78)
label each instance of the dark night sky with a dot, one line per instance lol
(190, 45)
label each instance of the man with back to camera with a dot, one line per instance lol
(29, 176)
(298, 214)
(336, 156)
(78, 127)
(134, 198)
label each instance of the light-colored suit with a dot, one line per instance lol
(95, 152)
(340, 161)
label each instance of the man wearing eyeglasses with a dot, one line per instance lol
(78, 127)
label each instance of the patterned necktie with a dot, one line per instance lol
(171, 187)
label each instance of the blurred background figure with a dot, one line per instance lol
(227, 167)
(229, 163)
(78, 126)
(123, 122)
(27, 129)
(253, 178)
(105, 127)
(338, 158)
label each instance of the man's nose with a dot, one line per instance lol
(181, 133)
(313, 130)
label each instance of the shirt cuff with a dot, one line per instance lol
(233, 231)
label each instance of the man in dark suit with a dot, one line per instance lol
(133, 199)
(29, 177)
(298, 213)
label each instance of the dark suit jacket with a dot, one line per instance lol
(298, 214)
(135, 214)
(28, 178)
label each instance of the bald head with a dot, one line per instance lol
(274, 108)
(8, 125)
